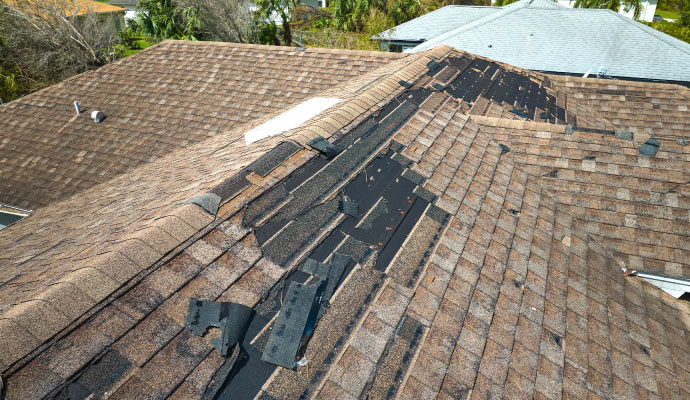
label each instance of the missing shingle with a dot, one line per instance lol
(405, 84)
(569, 130)
(504, 148)
(207, 201)
(650, 147)
(590, 157)
(325, 147)
(348, 207)
(222, 376)
(682, 142)
(644, 350)
(432, 65)
(544, 115)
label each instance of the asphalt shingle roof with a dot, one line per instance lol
(162, 99)
(574, 41)
(495, 207)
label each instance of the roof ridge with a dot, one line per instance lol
(277, 48)
(434, 41)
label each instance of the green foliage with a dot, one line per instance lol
(685, 15)
(500, 3)
(673, 29)
(9, 87)
(614, 5)
(163, 19)
(670, 5)
(128, 38)
(282, 8)
(405, 10)
(350, 15)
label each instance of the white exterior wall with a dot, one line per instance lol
(647, 13)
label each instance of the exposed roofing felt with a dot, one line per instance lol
(493, 214)
(571, 40)
(162, 99)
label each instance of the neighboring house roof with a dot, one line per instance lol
(80, 7)
(124, 2)
(574, 41)
(162, 99)
(439, 21)
(492, 211)
(447, 18)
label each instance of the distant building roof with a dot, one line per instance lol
(541, 35)
(435, 23)
(82, 7)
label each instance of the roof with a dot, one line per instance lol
(152, 109)
(447, 18)
(82, 7)
(464, 222)
(432, 24)
(570, 40)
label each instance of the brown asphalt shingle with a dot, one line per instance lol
(518, 293)
(162, 99)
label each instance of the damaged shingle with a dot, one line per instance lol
(291, 322)
(504, 148)
(650, 147)
(405, 84)
(623, 134)
(231, 318)
(208, 201)
(347, 207)
(327, 148)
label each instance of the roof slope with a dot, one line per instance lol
(483, 254)
(432, 24)
(162, 99)
(572, 41)
(447, 18)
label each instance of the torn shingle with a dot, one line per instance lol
(682, 142)
(286, 336)
(232, 328)
(439, 87)
(208, 201)
(504, 148)
(325, 147)
(405, 84)
(222, 375)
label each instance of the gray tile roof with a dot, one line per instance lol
(571, 41)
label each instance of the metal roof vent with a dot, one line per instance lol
(97, 116)
(602, 72)
(76, 107)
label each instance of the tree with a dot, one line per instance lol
(614, 5)
(269, 9)
(164, 19)
(405, 10)
(350, 15)
(46, 41)
(685, 15)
